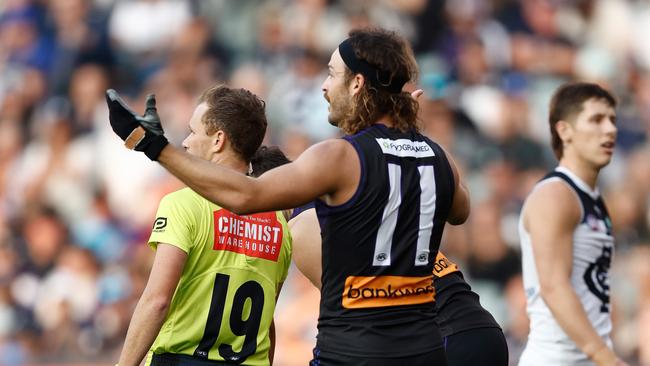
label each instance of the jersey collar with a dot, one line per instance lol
(593, 193)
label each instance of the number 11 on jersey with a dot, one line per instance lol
(384, 241)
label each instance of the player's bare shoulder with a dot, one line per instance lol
(552, 200)
(336, 151)
(333, 163)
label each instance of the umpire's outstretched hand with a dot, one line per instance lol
(142, 133)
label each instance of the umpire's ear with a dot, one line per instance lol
(219, 141)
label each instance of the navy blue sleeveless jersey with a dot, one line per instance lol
(298, 210)
(379, 248)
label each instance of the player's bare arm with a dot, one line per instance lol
(460, 205)
(330, 170)
(551, 214)
(152, 308)
(305, 232)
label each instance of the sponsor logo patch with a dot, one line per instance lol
(596, 224)
(377, 291)
(159, 225)
(404, 148)
(443, 266)
(258, 235)
(596, 278)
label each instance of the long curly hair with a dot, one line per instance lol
(386, 51)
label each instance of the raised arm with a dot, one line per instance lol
(330, 170)
(551, 215)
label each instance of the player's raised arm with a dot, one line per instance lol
(324, 168)
(317, 172)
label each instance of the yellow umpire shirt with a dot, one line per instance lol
(224, 302)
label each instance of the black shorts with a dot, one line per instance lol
(433, 358)
(482, 346)
(171, 359)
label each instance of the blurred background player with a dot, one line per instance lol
(567, 239)
(383, 176)
(216, 275)
(267, 158)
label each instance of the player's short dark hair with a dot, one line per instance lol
(267, 158)
(567, 102)
(391, 54)
(239, 114)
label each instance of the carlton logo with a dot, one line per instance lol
(378, 291)
(258, 235)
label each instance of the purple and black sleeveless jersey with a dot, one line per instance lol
(379, 248)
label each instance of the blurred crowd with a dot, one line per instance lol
(76, 208)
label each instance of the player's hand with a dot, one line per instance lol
(143, 133)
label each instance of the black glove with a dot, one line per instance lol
(142, 133)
